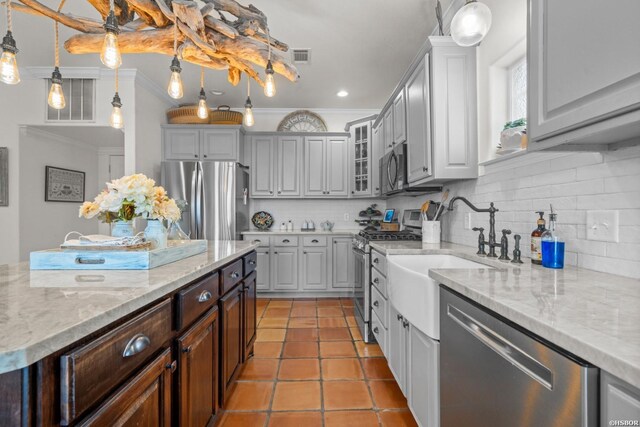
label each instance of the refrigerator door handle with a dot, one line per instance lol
(199, 206)
(194, 203)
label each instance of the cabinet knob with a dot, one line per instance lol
(271, 192)
(376, 330)
(173, 365)
(353, 192)
(376, 260)
(205, 156)
(376, 280)
(314, 241)
(304, 252)
(187, 350)
(275, 253)
(376, 304)
(405, 324)
(234, 275)
(399, 317)
(279, 192)
(195, 155)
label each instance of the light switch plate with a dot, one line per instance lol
(346, 216)
(603, 226)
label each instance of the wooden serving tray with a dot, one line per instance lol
(144, 246)
(58, 259)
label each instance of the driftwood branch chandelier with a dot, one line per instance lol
(213, 34)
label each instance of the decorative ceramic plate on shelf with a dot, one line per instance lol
(262, 220)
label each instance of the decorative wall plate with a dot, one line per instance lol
(262, 220)
(302, 121)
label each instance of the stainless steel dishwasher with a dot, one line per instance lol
(494, 373)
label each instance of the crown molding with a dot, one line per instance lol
(97, 73)
(363, 111)
(144, 81)
(447, 17)
(32, 131)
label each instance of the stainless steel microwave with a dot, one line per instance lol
(394, 175)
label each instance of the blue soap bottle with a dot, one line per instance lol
(552, 245)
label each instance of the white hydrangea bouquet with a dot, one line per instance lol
(131, 197)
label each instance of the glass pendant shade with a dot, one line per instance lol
(175, 89)
(269, 81)
(116, 120)
(203, 108)
(110, 54)
(248, 119)
(471, 24)
(9, 72)
(56, 95)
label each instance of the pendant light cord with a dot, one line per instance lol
(9, 15)
(269, 43)
(248, 87)
(175, 37)
(201, 77)
(55, 30)
(116, 71)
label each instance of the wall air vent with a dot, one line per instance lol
(80, 99)
(301, 56)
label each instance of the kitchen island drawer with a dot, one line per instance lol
(285, 241)
(379, 282)
(379, 306)
(263, 241)
(311, 241)
(379, 262)
(196, 299)
(379, 332)
(91, 371)
(250, 263)
(231, 275)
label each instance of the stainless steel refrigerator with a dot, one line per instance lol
(215, 194)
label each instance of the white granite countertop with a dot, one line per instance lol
(593, 315)
(42, 312)
(303, 233)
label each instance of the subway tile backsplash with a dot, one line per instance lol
(573, 183)
(317, 210)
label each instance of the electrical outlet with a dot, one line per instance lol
(603, 226)
(467, 221)
(346, 217)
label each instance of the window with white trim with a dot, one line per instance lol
(80, 97)
(518, 89)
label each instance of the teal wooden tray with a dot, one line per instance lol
(57, 259)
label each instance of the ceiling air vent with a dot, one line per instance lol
(301, 56)
(80, 97)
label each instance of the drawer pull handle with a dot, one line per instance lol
(187, 350)
(81, 260)
(314, 241)
(286, 241)
(400, 317)
(376, 280)
(376, 260)
(136, 345)
(204, 296)
(257, 241)
(376, 303)
(173, 365)
(405, 324)
(376, 330)
(234, 275)
(252, 262)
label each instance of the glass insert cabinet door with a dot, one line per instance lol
(361, 149)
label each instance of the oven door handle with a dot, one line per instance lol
(389, 172)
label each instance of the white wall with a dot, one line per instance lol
(267, 119)
(317, 210)
(43, 225)
(574, 183)
(150, 113)
(505, 42)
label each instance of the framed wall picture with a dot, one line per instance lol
(4, 176)
(63, 185)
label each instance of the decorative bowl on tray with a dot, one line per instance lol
(262, 220)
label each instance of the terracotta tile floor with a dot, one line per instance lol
(311, 368)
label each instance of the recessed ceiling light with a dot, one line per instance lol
(217, 92)
(342, 93)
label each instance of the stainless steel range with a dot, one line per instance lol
(361, 293)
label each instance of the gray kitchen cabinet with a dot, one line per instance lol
(284, 268)
(181, 144)
(313, 272)
(343, 262)
(212, 143)
(326, 167)
(263, 279)
(219, 145)
(263, 150)
(362, 158)
(418, 123)
(388, 129)
(397, 344)
(399, 119)
(377, 150)
(288, 166)
(423, 388)
(337, 167)
(619, 400)
(315, 160)
(599, 103)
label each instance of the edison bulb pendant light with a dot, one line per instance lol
(471, 23)
(269, 81)
(9, 72)
(116, 120)
(248, 119)
(175, 89)
(203, 108)
(56, 95)
(110, 54)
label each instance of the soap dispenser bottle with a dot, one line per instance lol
(536, 236)
(552, 245)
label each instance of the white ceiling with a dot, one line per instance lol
(362, 46)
